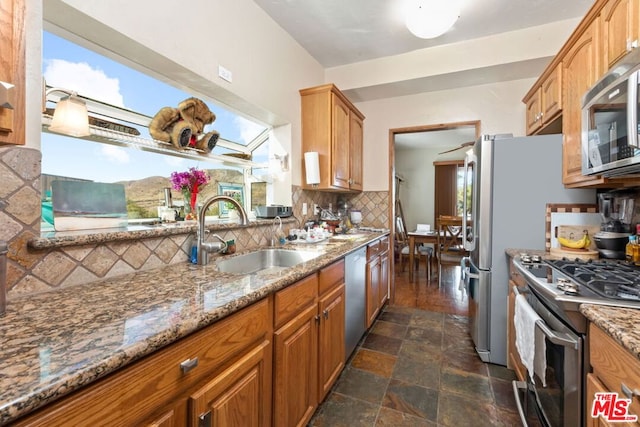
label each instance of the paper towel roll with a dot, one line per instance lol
(312, 167)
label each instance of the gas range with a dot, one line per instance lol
(572, 282)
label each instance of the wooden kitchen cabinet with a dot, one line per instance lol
(514, 361)
(225, 368)
(544, 102)
(331, 335)
(581, 69)
(377, 286)
(333, 127)
(309, 351)
(614, 369)
(620, 29)
(12, 70)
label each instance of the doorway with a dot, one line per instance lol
(412, 154)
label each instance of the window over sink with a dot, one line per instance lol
(246, 155)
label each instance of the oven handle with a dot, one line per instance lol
(555, 337)
(520, 385)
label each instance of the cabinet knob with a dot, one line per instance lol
(326, 314)
(317, 317)
(628, 392)
(188, 365)
(204, 420)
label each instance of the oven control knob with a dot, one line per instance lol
(563, 283)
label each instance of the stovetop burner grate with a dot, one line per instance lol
(610, 279)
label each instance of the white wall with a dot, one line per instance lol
(498, 106)
(417, 191)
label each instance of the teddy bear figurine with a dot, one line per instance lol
(184, 126)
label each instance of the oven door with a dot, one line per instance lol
(559, 403)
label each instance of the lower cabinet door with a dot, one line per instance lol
(373, 290)
(239, 396)
(331, 352)
(295, 372)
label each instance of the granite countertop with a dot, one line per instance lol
(55, 342)
(620, 323)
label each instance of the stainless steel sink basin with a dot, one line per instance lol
(265, 261)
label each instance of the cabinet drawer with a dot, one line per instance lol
(614, 366)
(291, 300)
(331, 276)
(373, 249)
(132, 395)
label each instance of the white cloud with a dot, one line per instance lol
(248, 129)
(114, 154)
(84, 79)
(173, 161)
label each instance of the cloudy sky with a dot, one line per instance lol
(68, 66)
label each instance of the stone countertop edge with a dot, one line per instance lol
(622, 324)
(57, 239)
(513, 252)
(57, 342)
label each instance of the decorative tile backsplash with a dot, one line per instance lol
(32, 270)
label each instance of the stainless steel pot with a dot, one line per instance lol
(611, 244)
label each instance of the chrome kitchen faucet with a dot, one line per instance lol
(203, 247)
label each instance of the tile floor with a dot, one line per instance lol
(417, 367)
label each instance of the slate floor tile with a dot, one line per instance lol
(362, 385)
(375, 362)
(344, 411)
(389, 329)
(382, 344)
(474, 387)
(391, 418)
(412, 399)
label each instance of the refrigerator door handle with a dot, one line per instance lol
(469, 233)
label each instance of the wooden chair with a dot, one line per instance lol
(402, 248)
(449, 250)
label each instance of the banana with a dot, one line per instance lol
(582, 243)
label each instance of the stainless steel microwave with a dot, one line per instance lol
(610, 125)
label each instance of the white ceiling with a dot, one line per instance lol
(341, 32)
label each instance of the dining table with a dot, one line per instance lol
(419, 236)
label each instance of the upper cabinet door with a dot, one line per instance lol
(340, 144)
(619, 29)
(355, 155)
(580, 71)
(12, 70)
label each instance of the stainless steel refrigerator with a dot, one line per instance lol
(508, 183)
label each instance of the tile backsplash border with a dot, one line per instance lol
(31, 271)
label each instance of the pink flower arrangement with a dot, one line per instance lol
(190, 183)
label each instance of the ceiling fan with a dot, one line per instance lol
(461, 146)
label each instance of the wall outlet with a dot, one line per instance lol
(316, 209)
(304, 209)
(225, 74)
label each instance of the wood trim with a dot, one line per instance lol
(13, 69)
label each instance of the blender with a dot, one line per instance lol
(616, 211)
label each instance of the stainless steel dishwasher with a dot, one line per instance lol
(355, 284)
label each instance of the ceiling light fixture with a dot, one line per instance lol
(70, 116)
(428, 19)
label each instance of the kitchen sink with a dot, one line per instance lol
(265, 261)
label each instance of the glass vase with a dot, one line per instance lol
(189, 212)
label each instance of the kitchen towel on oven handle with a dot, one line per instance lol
(530, 341)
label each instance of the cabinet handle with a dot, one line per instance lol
(188, 365)
(630, 393)
(204, 420)
(317, 318)
(326, 314)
